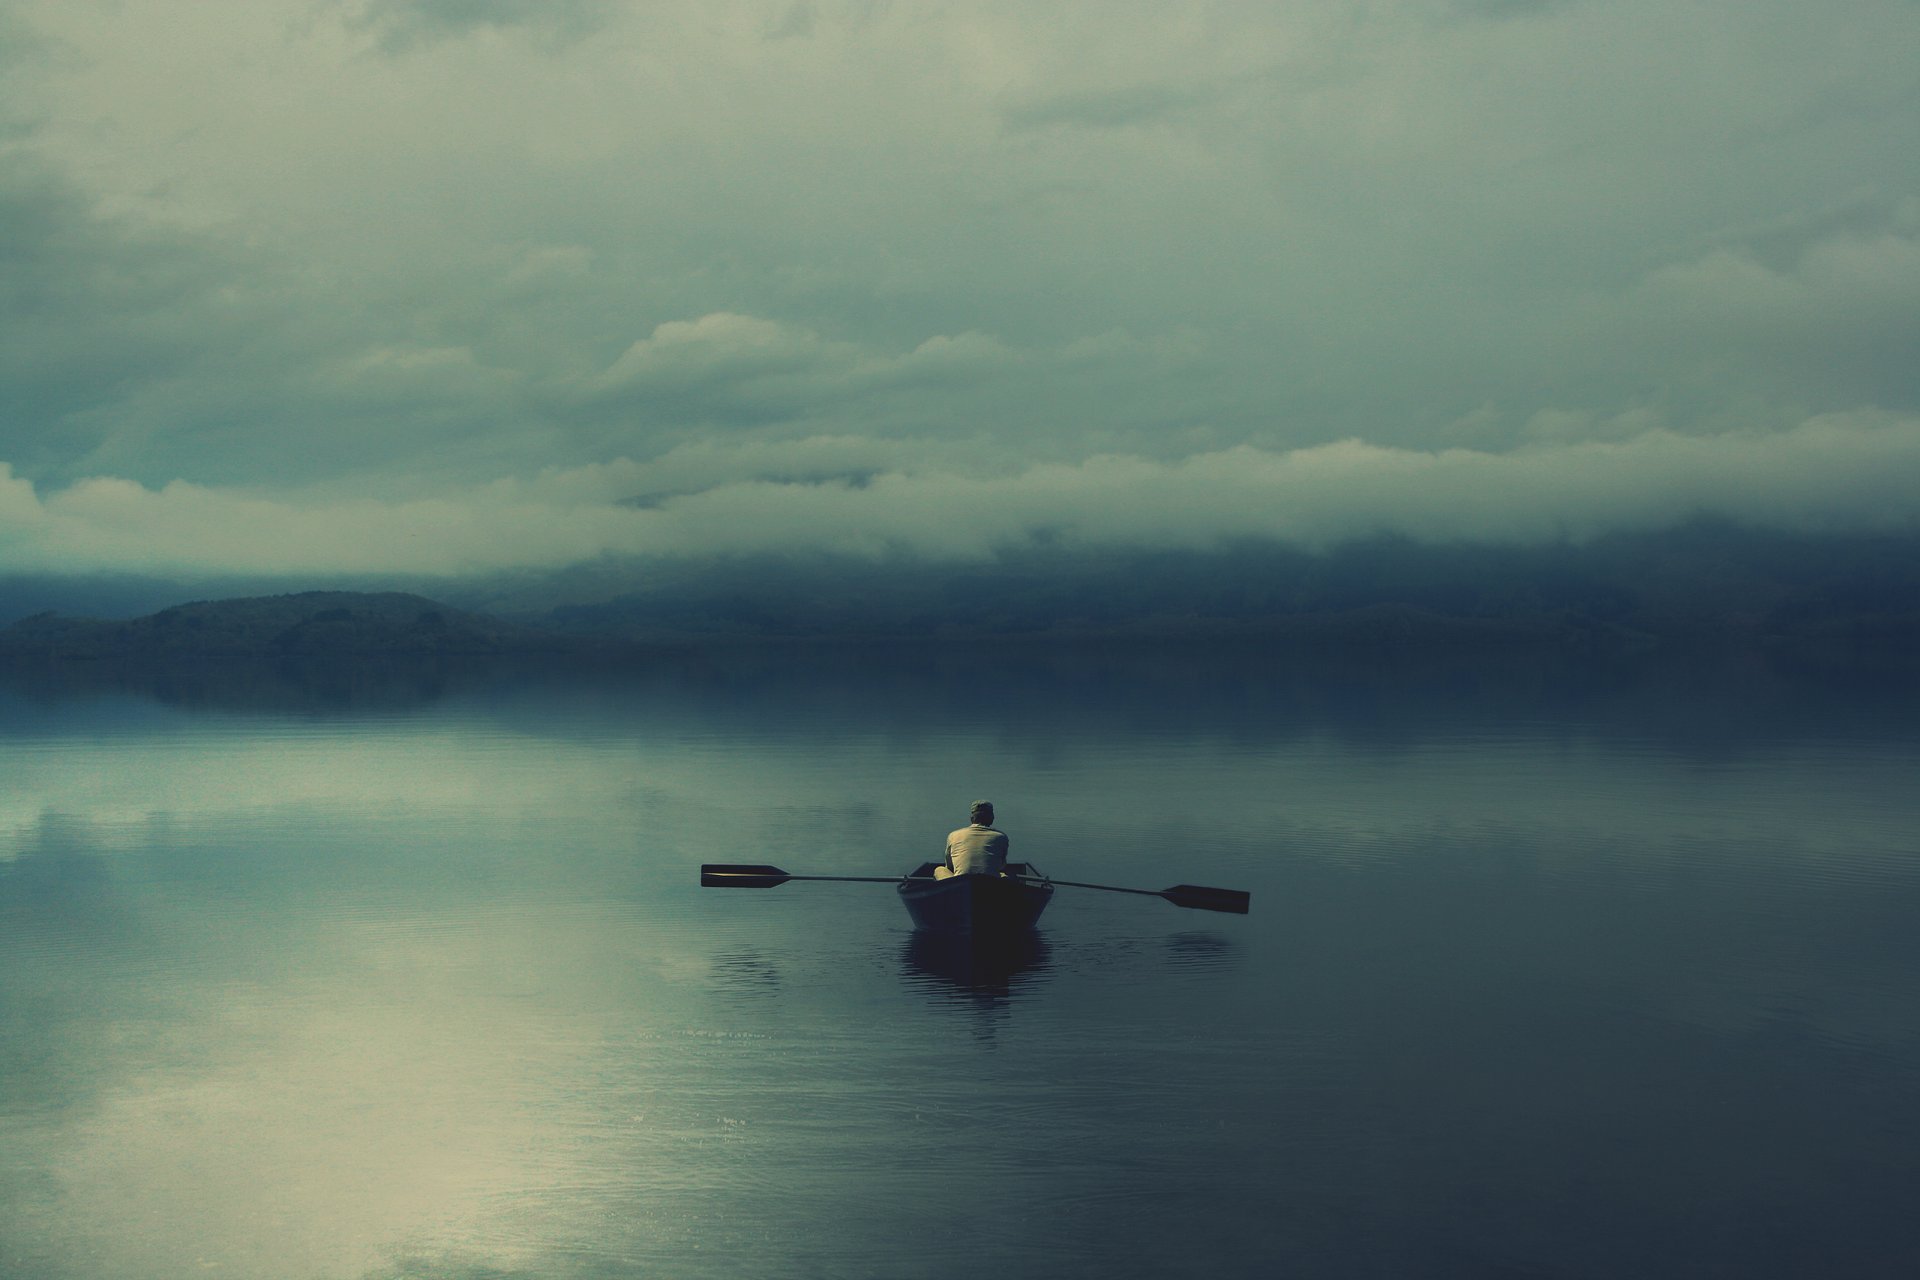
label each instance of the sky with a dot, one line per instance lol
(445, 287)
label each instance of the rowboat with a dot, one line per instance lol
(976, 904)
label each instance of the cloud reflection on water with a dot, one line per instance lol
(438, 994)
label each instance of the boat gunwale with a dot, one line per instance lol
(932, 902)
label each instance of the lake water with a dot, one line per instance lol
(1550, 972)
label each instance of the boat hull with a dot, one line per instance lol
(975, 904)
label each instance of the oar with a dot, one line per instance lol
(1199, 897)
(744, 875)
(727, 875)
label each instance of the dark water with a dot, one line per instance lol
(1551, 972)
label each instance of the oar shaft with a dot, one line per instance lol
(1194, 896)
(1110, 888)
(865, 879)
(728, 875)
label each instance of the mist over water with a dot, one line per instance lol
(404, 971)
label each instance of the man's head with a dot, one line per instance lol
(983, 813)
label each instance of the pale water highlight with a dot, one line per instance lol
(1549, 972)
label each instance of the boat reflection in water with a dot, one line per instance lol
(982, 969)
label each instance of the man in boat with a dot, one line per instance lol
(975, 849)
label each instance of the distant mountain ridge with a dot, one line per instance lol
(306, 623)
(1707, 584)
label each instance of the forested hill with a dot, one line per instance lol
(309, 623)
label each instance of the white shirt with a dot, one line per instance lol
(977, 850)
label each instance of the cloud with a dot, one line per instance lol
(154, 351)
(1127, 107)
(1875, 275)
(399, 250)
(722, 348)
(403, 25)
(795, 24)
(1502, 10)
(703, 465)
(92, 311)
(853, 497)
(1834, 318)
(740, 369)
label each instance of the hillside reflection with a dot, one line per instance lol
(302, 685)
(1713, 704)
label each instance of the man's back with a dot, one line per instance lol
(977, 850)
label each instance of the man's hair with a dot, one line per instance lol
(980, 807)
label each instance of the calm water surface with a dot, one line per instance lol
(1549, 974)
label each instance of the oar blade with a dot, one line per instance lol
(1201, 898)
(740, 875)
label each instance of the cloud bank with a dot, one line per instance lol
(449, 285)
(844, 497)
